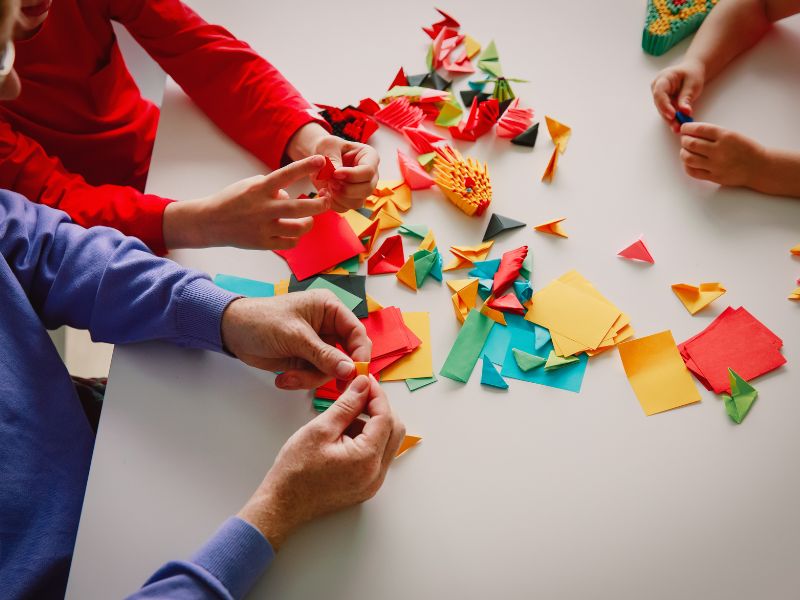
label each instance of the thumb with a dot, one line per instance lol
(347, 408)
(690, 91)
(327, 359)
(285, 176)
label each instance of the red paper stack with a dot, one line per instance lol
(736, 340)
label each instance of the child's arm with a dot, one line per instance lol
(733, 27)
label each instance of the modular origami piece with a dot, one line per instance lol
(669, 21)
(465, 182)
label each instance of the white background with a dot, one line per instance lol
(531, 493)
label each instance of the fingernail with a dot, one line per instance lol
(360, 384)
(288, 381)
(344, 370)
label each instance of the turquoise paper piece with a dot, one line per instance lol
(569, 377)
(246, 287)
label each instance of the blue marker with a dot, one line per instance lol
(683, 118)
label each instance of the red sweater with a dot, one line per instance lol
(80, 136)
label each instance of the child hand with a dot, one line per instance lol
(676, 88)
(356, 173)
(725, 157)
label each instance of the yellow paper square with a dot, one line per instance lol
(419, 363)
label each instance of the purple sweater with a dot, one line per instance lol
(53, 273)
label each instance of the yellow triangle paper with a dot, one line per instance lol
(559, 132)
(695, 298)
(472, 46)
(358, 222)
(552, 165)
(429, 243)
(385, 219)
(494, 315)
(418, 363)
(795, 295)
(456, 285)
(401, 197)
(473, 253)
(408, 442)
(407, 275)
(372, 304)
(553, 227)
(457, 263)
(461, 309)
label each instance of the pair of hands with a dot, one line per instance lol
(337, 459)
(258, 213)
(708, 152)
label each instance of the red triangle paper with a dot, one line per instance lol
(637, 251)
(447, 21)
(507, 272)
(507, 303)
(388, 258)
(399, 79)
(327, 170)
(414, 175)
(421, 139)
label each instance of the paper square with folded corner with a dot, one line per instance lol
(741, 398)
(696, 298)
(348, 299)
(391, 338)
(657, 374)
(329, 242)
(353, 284)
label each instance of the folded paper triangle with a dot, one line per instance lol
(508, 303)
(491, 376)
(637, 251)
(421, 139)
(508, 271)
(407, 274)
(528, 137)
(556, 362)
(552, 166)
(399, 79)
(741, 398)
(414, 175)
(559, 132)
(795, 250)
(408, 442)
(388, 258)
(417, 231)
(373, 305)
(472, 46)
(695, 298)
(399, 114)
(795, 295)
(499, 224)
(552, 227)
(466, 256)
(527, 361)
(327, 170)
(494, 315)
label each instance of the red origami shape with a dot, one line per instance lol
(637, 251)
(369, 106)
(399, 113)
(445, 42)
(447, 21)
(461, 65)
(482, 116)
(327, 170)
(514, 121)
(350, 123)
(391, 338)
(388, 258)
(508, 303)
(421, 139)
(399, 79)
(508, 271)
(414, 175)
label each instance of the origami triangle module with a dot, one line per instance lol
(414, 175)
(466, 256)
(795, 250)
(327, 170)
(399, 79)
(389, 258)
(528, 137)
(508, 303)
(499, 224)
(408, 442)
(508, 271)
(741, 398)
(637, 251)
(407, 274)
(695, 298)
(491, 376)
(514, 120)
(417, 231)
(559, 132)
(527, 361)
(668, 22)
(795, 295)
(553, 227)
(552, 166)
(556, 362)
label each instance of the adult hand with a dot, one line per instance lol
(356, 165)
(254, 213)
(677, 88)
(725, 157)
(297, 334)
(336, 460)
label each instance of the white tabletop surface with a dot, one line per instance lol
(534, 493)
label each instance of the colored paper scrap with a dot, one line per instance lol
(399, 114)
(527, 361)
(508, 271)
(795, 250)
(696, 298)
(637, 251)
(553, 227)
(559, 132)
(569, 378)
(465, 295)
(408, 442)
(490, 376)
(528, 137)
(682, 117)
(556, 362)
(353, 284)
(466, 256)
(417, 231)
(329, 232)
(496, 344)
(741, 398)
(514, 121)
(372, 304)
(327, 170)
(407, 274)
(348, 299)
(414, 175)
(362, 368)
(415, 384)
(657, 374)
(388, 258)
(552, 167)
(419, 363)
(507, 304)
(468, 347)
(499, 224)
(246, 287)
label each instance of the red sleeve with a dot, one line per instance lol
(241, 92)
(27, 169)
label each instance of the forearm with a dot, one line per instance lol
(779, 173)
(733, 27)
(303, 143)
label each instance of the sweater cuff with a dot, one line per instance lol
(237, 556)
(199, 314)
(149, 223)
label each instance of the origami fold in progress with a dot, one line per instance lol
(418, 363)
(330, 242)
(657, 374)
(741, 398)
(346, 285)
(696, 298)
(408, 442)
(553, 227)
(391, 338)
(414, 175)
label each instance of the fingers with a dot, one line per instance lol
(378, 429)
(293, 228)
(663, 88)
(326, 358)
(692, 160)
(283, 177)
(706, 131)
(699, 173)
(351, 195)
(297, 208)
(697, 145)
(690, 90)
(341, 414)
(347, 329)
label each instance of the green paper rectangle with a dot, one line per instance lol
(419, 382)
(468, 347)
(348, 299)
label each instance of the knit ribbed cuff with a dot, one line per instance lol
(199, 314)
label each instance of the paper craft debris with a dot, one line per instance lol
(349, 123)
(465, 182)
(391, 338)
(394, 193)
(552, 166)
(344, 286)
(372, 304)
(741, 398)
(734, 340)
(637, 251)
(362, 368)
(669, 21)
(556, 362)
(414, 175)
(247, 287)
(417, 231)
(407, 275)
(466, 256)
(483, 114)
(408, 442)
(527, 361)
(388, 258)
(559, 132)
(449, 115)
(472, 46)
(514, 121)
(499, 224)
(553, 227)
(414, 384)
(418, 363)
(508, 271)
(490, 376)
(508, 303)
(327, 170)
(421, 139)
(528, 137)
(399, 114)
(465, 295)
(467, 348)
(495, 315)
(657, 374)
(331, 232)
(695, 298)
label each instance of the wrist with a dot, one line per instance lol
(262, 513)
(759, 174)
(186, 225)
(305, 140)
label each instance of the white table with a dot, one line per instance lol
(537, 493)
